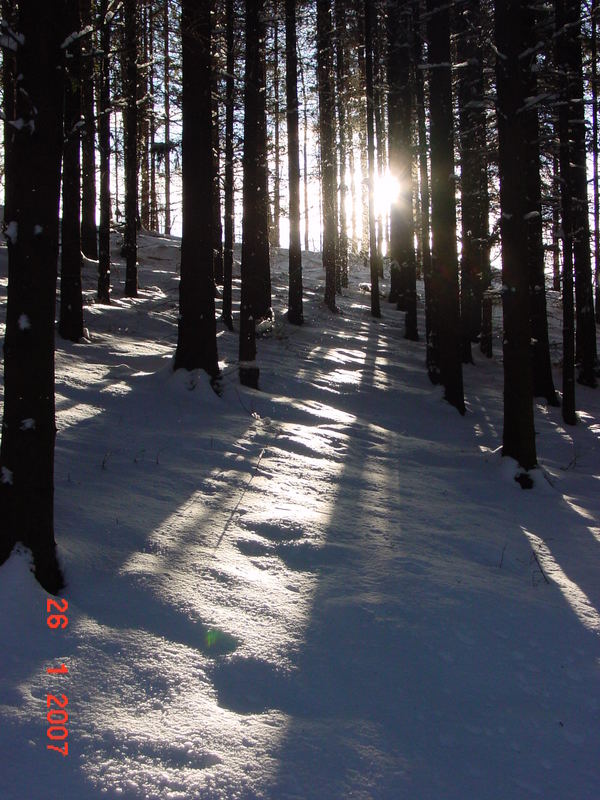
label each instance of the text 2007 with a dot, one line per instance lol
(57, 715)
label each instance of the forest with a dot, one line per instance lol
(360, 240)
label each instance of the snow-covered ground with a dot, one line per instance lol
(332, 588)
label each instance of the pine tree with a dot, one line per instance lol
(28, 426)
(197, 335)
(130, 150)
(89, 231)
(70, 323)
(104, 148)
(518, 438)
(325, 84)
(445, 322)
(295, 314)
(403, 288)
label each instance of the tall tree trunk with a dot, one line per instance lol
(144, 116)
(403, 278)
(327, 146)
(342, 99)
(446, 319)
(373, 250)
(216, 193)
(474, 184)
(256, 288)
(424, 197)
(295, 314)
(197, 333)
(362, 147)
(70, 324)
(89, 231)
(585, 339)
(130, 150)
(104, 148)
(518, 438)
(594, 55)
(28, 426)
(229, 177)
(543, 382)
(167, 113)
(556, 223)
(275, 233)
(567, 169)
(152, 123)
(9, 74)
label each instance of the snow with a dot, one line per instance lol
(24, 323)
(12, 230)
(329, 588)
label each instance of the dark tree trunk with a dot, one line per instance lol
(585, 339)
(256, 284)
(229, 178)
(594, 56)
(144, 116)
(403, 276)
(275, 228)
(89, 231)
(474, 184)
(104, 148)
(566, 111)
(295, 314)
(373, 251)
(197, 332)
(70, 323)
(130, 150)
(9, 66)
(446, 318)
(327, 142)
(543, 382)
(518, 440)
(342, 114)
(28, 426)
(424, 198)
(555, 223)
(216, 194)
(167, 113)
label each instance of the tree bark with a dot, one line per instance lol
(229, 177)
(403, 277)
(446, 319)
(518, 438)
(197, 333)
(70, 323)
(104, 148)
(327, 146)
(28, 426)
(130, 150)
(295, 313)
(89, 230)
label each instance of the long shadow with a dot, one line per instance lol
(411, 680)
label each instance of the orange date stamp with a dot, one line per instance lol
(57, 715)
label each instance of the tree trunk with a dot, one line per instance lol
(229, 178)
(89, 230)
(403, 285)
(295, 314)
(130, 150)
(167, 113)
(518, 439)
(197, 333)
(594, 56)
(70, 324)
(216, 195)
(327, 142)
(28, 427)
(9, 73)
(342, 99)
(474, 184)
(543, 382)
(446, 319)
(104, 148)
(373, 250)
(144, 117)
(585, 339)
(256, 287)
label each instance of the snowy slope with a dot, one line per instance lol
(331, 588)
